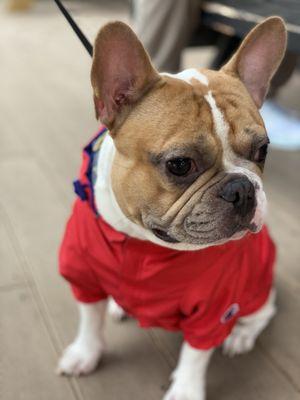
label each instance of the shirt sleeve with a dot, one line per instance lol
(74, 267)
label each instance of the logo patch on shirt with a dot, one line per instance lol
(230, 313)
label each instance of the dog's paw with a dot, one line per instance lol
(79, 359)
(184, 392)
(116, 312)
(240, 341)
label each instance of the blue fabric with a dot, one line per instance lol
(81, 188)
(89, 150)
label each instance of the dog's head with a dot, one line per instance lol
(191, 147)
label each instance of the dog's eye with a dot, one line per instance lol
(261, 153)
(180, 166)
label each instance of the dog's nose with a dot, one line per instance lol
(240, 192)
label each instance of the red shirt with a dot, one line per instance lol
(201, 292)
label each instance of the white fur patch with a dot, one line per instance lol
(222, 130)
(115, 311)
(82, 356)
(189, 375)
(188, 74)
(221, 126)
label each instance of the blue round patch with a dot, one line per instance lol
(230, 313)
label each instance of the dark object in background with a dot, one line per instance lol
(239, 16)
(230, 20)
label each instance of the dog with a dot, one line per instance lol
(169, 221)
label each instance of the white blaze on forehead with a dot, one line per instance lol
(222, 130)
(188, 74)
(220, 125)
(192, 73)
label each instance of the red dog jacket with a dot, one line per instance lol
(202, 293)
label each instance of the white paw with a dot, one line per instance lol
(79, 359)
(241, 340)
(117, 312)
(184, 392)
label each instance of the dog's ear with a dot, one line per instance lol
(259, 56)
(121, 73)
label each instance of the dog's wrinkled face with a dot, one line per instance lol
(190, 147)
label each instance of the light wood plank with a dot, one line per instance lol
(282, 183)
(10, 269)
(27, 354)
(280, 342)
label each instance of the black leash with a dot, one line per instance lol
(76, 29)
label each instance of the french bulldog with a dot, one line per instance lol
(170, 219)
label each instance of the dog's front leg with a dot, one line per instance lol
(82, 356)
(188, 379)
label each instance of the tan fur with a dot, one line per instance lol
(271, 34)
(178, 115)
(117, 41)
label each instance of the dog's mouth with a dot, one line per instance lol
(164, 236)
(238, 233)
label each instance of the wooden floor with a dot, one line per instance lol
(46, 115)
